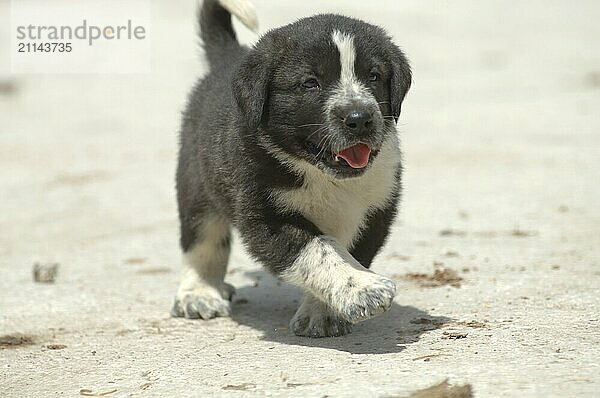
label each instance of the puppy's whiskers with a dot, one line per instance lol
(310, 124)
(319, 144)
(319, 130)
(321, 140)
(326, 143)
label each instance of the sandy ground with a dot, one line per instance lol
(501, 134)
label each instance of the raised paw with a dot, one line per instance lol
(315, 319)
(365, 297)
(203, 302)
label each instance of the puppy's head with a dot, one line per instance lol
(326, 90)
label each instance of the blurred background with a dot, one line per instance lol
(501, 141)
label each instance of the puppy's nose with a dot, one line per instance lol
(359, 120)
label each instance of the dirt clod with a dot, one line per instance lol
(444, 390)
(135, 260)
(89, 393)
(397, 256)
(434, 323)
(440, 277)
(454, 335)
(519, 233)
(16, 341)
(155, 271)
(56, 346)
(239, 387)
(45, 273)
(7, 87)
(421, 321)
(78, 179)
(427, 358)
(452, 232)
(146, 386)
(474, 324)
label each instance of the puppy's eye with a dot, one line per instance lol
(311, 83)
(374, 76)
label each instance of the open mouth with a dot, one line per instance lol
(353, 159)
(356, 156)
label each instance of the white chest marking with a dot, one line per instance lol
(338, 207)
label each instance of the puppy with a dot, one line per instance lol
(294, 143)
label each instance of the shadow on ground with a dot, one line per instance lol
(268, 305)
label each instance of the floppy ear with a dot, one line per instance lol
(249, 86)
(400, 81)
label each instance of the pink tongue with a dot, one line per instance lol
(356, 156)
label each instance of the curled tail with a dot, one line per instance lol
(216, 30)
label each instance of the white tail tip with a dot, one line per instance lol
(244, 11)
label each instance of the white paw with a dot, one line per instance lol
(364, 297)
(319, 323)
(203, 301)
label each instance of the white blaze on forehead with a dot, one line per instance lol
(345, 45)
(349, 88)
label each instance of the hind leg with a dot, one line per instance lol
(202, 292)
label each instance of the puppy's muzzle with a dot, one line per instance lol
(359, 122)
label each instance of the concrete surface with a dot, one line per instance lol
(501, 134)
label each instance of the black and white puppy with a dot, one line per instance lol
(294, 143)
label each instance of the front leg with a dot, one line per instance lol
(326, 269)
(334, 281)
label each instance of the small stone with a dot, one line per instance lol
(45, 273)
